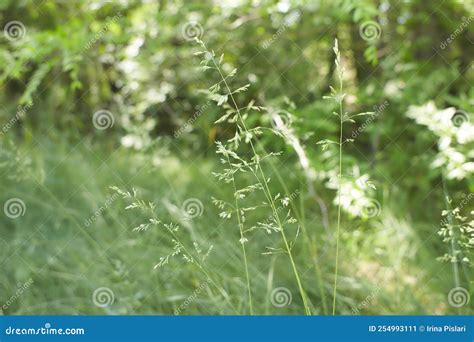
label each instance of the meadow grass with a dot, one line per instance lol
(68, 260)
(257, 226)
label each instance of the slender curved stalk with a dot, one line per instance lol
(266, 189)
(338, 212)
(313, 246)
(457, 281)
(340, 98)
(242, 242)
(200, 266)
(206, 273)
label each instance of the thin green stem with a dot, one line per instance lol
(453, 239)
(208, 275)
(268, 193)
(313, 246)
(242, 242)
(199, 265)
(339, 199)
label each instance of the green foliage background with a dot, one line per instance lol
(133, 59)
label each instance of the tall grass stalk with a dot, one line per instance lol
(453, 245)
(338, 97)
(179, 247)
(312, 243)
(242, 242)
(237, 117)
(291, 138)
(340, 73)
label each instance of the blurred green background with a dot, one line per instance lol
(71, 247)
